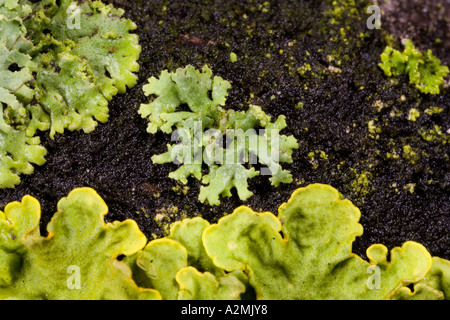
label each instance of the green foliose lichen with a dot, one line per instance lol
(61, 63)
(203, 129)
(78, 258)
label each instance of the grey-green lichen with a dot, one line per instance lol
(224, 140)
(61, 62)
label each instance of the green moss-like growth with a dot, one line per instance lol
(425, 70)
(306, 250)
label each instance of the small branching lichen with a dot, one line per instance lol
(424, 69)
(207, 126)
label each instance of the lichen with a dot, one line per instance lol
(233, 57)
(306, 249)
(58, 74)
(424, 69)
(34, 267)
(410, 154)
(435, 134)
(413, 114)
(203, 129)
(433, 111)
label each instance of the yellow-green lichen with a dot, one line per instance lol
(306, 249)
(303, 70)
(233, 57)
(203, 128)
(361, 184)
(424, 69)
(378, 105)
(374, 129)
(435, 134)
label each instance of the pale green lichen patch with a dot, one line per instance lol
(424, 69)
(164, 217)
(312, 259)
(361, 183)
(18, 152)
(434, 286)
(378, 105)
(61, 62)
(410, 154)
